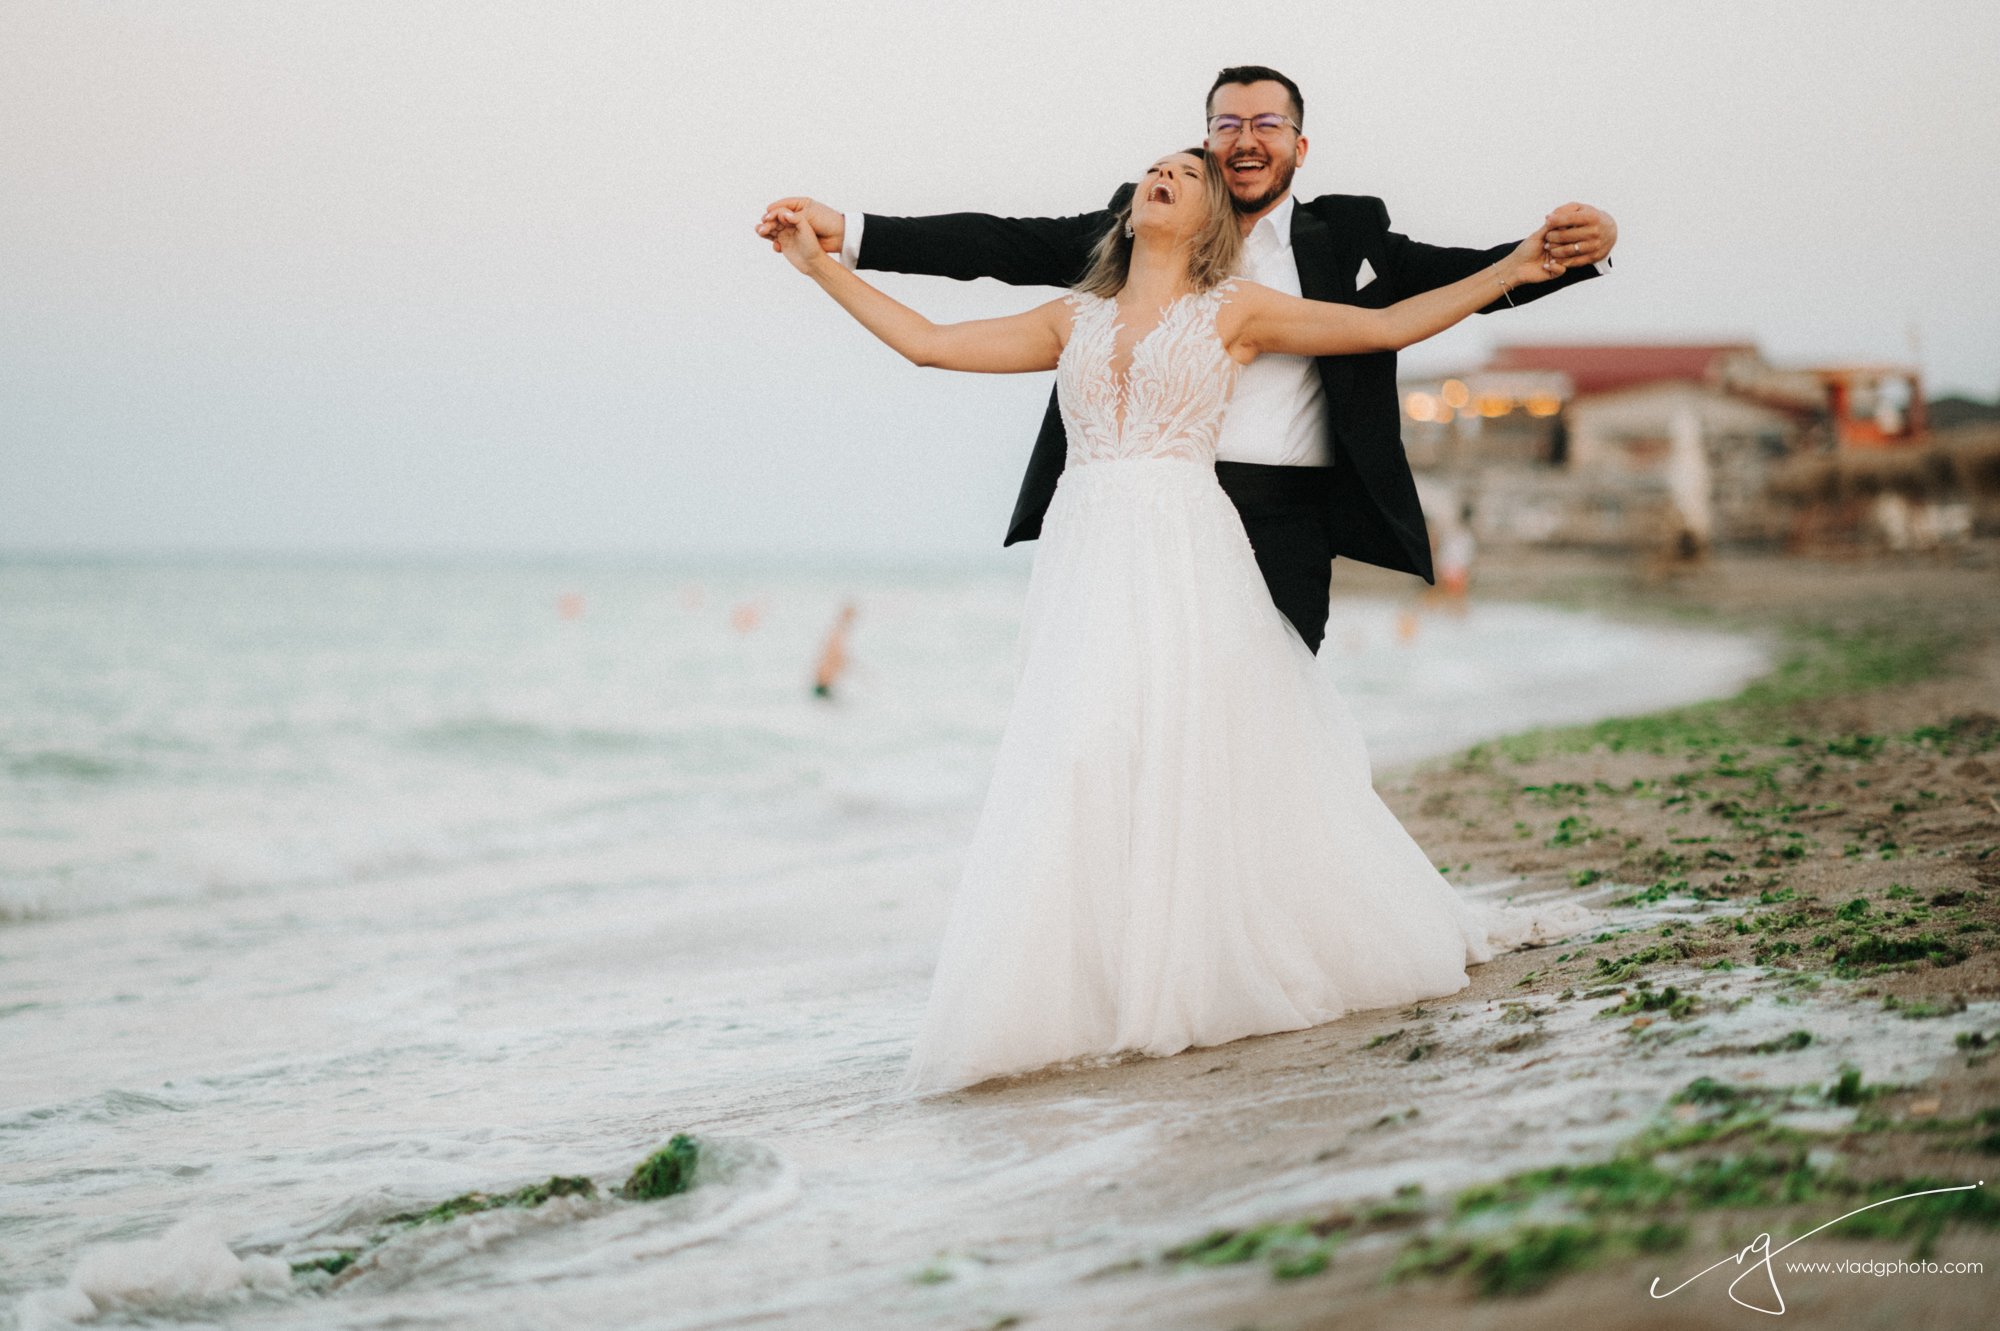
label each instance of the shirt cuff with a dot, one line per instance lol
(850, 240)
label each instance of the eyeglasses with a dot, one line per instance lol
(1264, 126)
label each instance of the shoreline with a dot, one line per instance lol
(1793, 1012)
(1445, 701)
(1793, 1000)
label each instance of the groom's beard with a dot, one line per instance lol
(1281, 181)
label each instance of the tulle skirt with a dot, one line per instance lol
(1181, 844)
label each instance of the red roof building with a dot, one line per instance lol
(1601, 367)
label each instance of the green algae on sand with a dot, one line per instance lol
(1715, 1150)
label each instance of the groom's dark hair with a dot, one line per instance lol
(1258, 74)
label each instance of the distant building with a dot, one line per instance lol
(1641, 444)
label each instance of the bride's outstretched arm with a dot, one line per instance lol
(1262, 320)
(1031, 340)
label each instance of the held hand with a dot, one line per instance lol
(1530, 262)
(794, 237)
(829, 224)
(1579, 234)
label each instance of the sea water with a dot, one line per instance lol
(332, 889)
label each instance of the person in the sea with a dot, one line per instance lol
(833, 655)
(1311, 453)
(1181, 844)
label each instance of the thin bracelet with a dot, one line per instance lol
(1507, 290)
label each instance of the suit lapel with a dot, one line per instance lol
(1312, 249)
(1321, 278)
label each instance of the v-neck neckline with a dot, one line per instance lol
(1121, 382)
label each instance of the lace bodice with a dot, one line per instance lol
(1174, 391)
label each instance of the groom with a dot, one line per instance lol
(1311, 451)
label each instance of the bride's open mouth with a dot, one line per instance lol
(1160, 193)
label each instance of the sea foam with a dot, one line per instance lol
(188, 1264)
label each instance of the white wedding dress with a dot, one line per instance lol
(1182, 844)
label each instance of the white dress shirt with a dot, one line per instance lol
(1278, 415)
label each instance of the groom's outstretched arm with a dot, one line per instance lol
(1020, 251)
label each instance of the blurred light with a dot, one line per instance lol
(1544, 404)
(1455, 394)
(1495, 406)
(1421, 407)
(1444, 416)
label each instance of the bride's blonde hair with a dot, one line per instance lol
(1211, 260)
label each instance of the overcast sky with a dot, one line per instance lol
(432, 277)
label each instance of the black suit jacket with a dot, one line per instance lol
(1369, 502)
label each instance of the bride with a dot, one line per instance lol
(1182, 844)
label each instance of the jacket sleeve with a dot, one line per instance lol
(1020, 251)
(1416, 267)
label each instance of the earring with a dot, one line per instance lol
(1128, 228)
